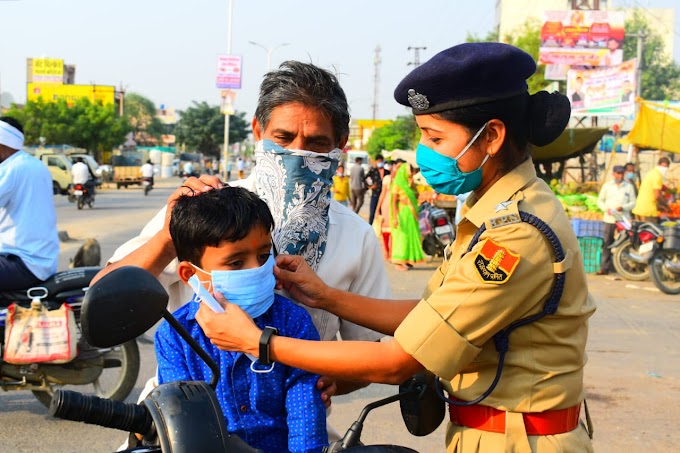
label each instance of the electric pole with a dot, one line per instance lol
(376, 80)
(416, 55)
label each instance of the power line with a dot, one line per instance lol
(416, 55)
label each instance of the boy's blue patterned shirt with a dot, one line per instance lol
(277, 411)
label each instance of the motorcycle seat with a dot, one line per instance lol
(77, 278)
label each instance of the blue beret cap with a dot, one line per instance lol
(464, 75)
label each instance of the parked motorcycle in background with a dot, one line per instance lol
(436, 229)
(105, 372)
(664, 265)
(633, 247)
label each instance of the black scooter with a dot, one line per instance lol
(186, 416)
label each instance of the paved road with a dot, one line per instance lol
(632, 377)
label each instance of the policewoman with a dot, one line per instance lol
(503, 322)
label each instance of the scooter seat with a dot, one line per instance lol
(77, 278)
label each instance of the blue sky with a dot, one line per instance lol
(167, 50)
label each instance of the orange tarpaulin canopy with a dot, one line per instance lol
(657, 126)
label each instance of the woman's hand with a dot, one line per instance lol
(328, 389)
(294, 275)
(232, 330)
(192, 186)
(395, 223)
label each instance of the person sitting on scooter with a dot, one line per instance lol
(147, 172)
(223, 241)
(29, 245)
(81, 175)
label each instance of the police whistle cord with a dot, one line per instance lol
(501, 339)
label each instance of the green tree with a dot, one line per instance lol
(402, 133)
(660, 75)
(141, 115)
(201, 128)
(84, 124)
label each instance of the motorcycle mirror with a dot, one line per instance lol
(121, 306)
(422, 410)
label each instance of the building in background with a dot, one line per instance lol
(360, 131)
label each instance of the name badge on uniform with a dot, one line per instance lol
(495, 263)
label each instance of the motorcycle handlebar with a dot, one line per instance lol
(99, 411)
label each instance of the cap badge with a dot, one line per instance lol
(418, 101)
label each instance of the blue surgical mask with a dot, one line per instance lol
(381, 165)
(442, 173)
(250, 289)
(630, 176)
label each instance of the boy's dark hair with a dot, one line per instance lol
(205, 220)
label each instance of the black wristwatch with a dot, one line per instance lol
(264, 344)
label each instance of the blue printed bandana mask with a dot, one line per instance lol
(250, 289)
(442, 173)
(296, 185)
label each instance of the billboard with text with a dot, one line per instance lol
(50, 92)
(602, 91)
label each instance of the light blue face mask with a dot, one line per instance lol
(442, 173)
(250, 289)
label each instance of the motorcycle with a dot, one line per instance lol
(435, 229)
(633, 247)
(110, 372)
(83, 195)
(664, 265)
(183, 416)
(147, 183)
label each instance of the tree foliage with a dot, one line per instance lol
(402, 133)
(141, 115)
(660, 75)
(85, 124)
(201, 128)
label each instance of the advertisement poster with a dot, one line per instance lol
(50, 92)
(48, 70)
(582, 38)
(602, 91)
(228, 72)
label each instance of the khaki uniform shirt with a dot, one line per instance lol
(450, 332)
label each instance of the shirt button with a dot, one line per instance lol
(244, 408)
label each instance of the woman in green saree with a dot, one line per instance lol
(406, 244)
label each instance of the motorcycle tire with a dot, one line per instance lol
(667, 281)
(90, 203)
(430, 246)
(80, 203)
(627, 268)
(124, 357)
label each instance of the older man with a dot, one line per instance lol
(29, 246)
(300, 125)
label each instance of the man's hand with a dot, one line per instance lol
(232, 330)
(192, 186)
(294, 275)
(328, 389)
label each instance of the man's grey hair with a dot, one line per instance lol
(309, 85)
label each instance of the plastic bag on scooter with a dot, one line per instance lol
(39, 335)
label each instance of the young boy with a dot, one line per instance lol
(224, 238)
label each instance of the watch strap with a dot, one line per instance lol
(265, 338)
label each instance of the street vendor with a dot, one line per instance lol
(503, 322)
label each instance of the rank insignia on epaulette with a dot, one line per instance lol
(495, 263)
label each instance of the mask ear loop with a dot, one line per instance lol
(471, 142)
(260, 371)
(200, 282)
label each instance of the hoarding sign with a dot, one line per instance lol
(603, 91)
(48, 70)
(582, 38)
(50, 92)
(228, 72)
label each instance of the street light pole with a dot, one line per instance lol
(225, 152)
(269, 51)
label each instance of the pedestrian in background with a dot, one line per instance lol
(616, 200)
(340, 186)
(384, 207)
(630, 176)
(229, 171)
(357, 184)
(406, 245)
(241, 168)
(374, 180)
(650, 199)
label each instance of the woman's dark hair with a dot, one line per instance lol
(536, 119)
(307, 84)
(12, 122)
(205, 220)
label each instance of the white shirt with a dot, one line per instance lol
(357, 267)
(80, 172)
(147, 171)
(28, 221)
(612, 196)
(188, 168)
(240, 165)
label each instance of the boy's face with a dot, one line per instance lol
(248, 253)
